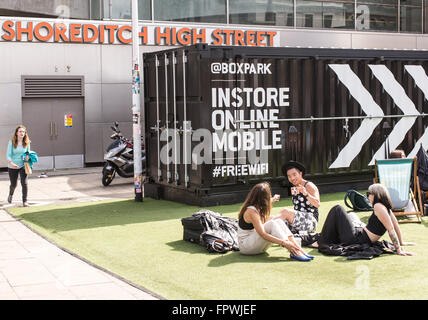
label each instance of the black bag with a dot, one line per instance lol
(359, 202)
(215, 244)
(211, 230)
(422, 162)
(193, 236)
(192, 229)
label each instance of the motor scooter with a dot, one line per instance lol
(119, 157)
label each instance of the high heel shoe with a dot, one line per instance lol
(300, 258)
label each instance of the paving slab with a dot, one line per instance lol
(33, 268)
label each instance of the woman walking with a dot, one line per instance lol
(18, 145)
(257, 230)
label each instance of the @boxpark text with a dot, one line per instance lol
(217, 310)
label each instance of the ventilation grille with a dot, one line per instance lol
(45, 86)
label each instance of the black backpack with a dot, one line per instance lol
(213, 231)
(214, 244)
(359, 202)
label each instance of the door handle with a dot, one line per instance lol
(56, 132)
(50, 129)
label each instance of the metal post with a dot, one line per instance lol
(168, 173)
(176, 177)
(399, 16)
(157, 127)
(386, 128)
(185, 123)
(311, 119)
(136, 118)
(292, 132)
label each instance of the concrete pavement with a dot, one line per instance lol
(31, 267)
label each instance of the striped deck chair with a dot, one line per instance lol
(396, 175)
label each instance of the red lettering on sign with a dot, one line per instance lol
(7, 27)
(101, 33)
(74, 32)
(111, 29)
(227, 37)
(250, 38)
(217, 37)
(162, 35)
(196, 36)
(144, 35)
(271, 34)
(184, 36)
(60, 31)
(41, 25)
(239, 38)
(93, 29)
(87, 33)
(120, 34)
(20, 30)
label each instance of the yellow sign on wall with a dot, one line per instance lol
(68, 120)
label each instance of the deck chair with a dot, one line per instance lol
(396, 175)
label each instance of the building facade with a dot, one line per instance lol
(65, 65)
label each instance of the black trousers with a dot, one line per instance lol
(13, 177)
(339, 228)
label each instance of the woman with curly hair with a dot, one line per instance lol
(257, 230)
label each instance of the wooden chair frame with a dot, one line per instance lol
(417, 203)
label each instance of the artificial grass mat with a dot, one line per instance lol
(142, 242)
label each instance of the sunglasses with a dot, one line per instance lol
(368, 193)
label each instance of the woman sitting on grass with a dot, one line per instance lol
(257, 230)
(339, 228)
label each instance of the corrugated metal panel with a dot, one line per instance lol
(315, 90)
(52, 86)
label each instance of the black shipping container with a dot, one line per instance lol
(198, 154)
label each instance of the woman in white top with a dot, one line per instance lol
(257, 230)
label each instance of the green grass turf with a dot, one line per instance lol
(142, 242)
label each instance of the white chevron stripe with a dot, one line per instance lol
(369, 106)
(402, 101)
(418, 74)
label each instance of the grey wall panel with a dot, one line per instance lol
(83, 60)
(310, 38)
(117, 101)
(98, 139)
(383, 41)
(422, 42)
(6, 133)
(10, 103)
(20, 58)
(93, 103)
(94, 149)
(351, 39)
(124, 127)
(116, 64)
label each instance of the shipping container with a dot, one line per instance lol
(220, 119)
